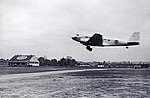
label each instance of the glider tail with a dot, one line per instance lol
(135, 37)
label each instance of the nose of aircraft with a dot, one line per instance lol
(74, 38)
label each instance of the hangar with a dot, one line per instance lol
(23, 60)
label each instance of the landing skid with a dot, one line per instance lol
(89, 48)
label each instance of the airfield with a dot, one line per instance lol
(75, 83)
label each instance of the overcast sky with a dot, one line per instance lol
(45, 27)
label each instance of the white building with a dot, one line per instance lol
(100, 66)
(24, 60)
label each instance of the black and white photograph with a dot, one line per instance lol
(74, 48)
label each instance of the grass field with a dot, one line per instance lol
(84, 83)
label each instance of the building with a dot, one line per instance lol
(23, 60)
(100, 66)
(2, 62)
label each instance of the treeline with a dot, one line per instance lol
(65, 62)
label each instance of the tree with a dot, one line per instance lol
(47, 62)
(41, 60)
(65, 62)
(74, 62)
(62, 62)
(54, 62)
(68, 62)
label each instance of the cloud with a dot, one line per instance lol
(47, 26)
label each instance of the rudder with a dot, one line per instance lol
(135, 37)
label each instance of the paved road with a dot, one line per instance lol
(25, 75)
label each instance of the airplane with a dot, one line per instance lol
(98, 40)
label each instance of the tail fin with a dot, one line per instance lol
(135, 37)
